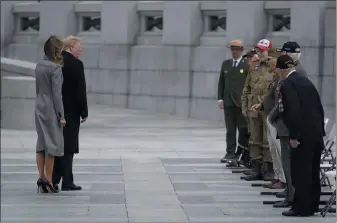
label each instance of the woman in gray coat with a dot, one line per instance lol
(49, 114)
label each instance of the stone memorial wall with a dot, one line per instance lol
(165, 56)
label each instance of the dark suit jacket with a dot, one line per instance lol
(74, 100)
(274, 115)
(231, 82)
(303, 111)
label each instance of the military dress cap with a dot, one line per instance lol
(236, 43)
(284, 62)
(250, 53)
(290, 47)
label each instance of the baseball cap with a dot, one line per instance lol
(236, 43)
(284, 62)
(290, 47)
(264, 44)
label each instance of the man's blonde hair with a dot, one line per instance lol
(70, 41)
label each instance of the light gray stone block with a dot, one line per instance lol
(182, 107)
(171, 58)
(7, 23)
(205, 109)
(114, 56)
(18, 102)
(176, 12)
(308, 33)
(66, 22)
(308, 55)
(104, 81)
(330, 27)
(160, 83)
(329, 61)
(18, 87)
(26, 52)
(209, 59)
(90, 55)
(329, 90)
(251, 30)
(205, 85)
(124, 28)
(17, 113)
(17, 67)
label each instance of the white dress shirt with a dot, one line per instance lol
(237, 61)
(290, 73)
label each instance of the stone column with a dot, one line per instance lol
(7, 26)
(309, 34)
(181, 33)
(18, 102)
(119, 28)
(56, 18)
(247, 21)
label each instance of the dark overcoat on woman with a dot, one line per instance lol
(75, 108)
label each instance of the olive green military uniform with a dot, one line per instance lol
(231, 82)
(256, 86)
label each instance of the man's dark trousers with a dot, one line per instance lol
(63, 168)
(305, 173)
(235, 121)
(285, 157)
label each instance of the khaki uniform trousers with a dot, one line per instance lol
(258, 140)
(275, 151)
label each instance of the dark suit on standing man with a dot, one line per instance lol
(230, 86)
(303, 115)
(75, 107)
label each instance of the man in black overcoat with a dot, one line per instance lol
(76, 112)
(303, 114)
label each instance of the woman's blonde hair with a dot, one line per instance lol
(53, 48)
(70, 41)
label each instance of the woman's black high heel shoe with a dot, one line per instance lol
(40, 186)
(49, 187)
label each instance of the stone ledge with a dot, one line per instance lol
(26, 7)
(91, 6)
(18, 67)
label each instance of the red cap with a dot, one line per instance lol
(264, 44)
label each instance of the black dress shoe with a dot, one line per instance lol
(282, 204)
(71, 187)
(292, 213)
(56, 187)
(228, 158)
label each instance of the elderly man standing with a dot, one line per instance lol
(232, 78)
(255, 87)
(302, 112)
(293, 50)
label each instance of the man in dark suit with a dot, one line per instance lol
(75, 110)
(232, 78)
(303, 115)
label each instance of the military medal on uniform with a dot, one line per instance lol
(280, 102)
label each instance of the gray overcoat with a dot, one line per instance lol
(49, 108)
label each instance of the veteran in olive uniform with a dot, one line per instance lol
(232, 78)
(256, 86)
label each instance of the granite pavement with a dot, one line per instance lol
(136, 167)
